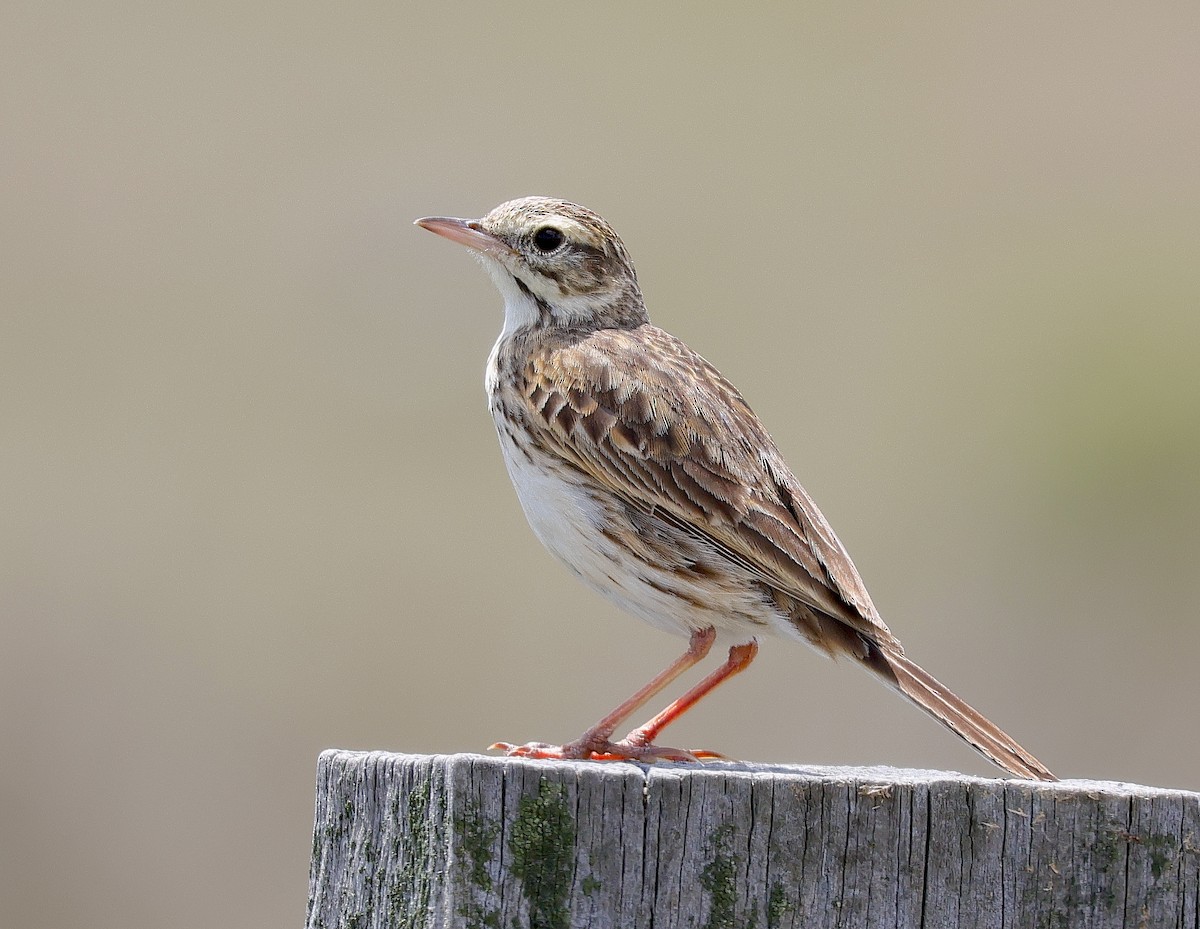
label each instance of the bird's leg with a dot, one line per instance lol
(643, 737)
(595, 742)
(698, 648)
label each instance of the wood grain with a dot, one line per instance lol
(473, 841)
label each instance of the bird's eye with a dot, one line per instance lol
(547, 239)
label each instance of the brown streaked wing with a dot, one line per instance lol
(646, 416)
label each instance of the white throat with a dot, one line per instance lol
(520, 309)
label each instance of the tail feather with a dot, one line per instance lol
(939, 702)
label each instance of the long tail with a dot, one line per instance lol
(896, 670)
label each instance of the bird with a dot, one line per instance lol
(645, 472)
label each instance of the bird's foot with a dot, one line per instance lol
(594, 749)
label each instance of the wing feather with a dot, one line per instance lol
(658, 425)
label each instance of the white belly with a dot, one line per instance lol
(643, 578)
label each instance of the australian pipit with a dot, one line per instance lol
(644, 471)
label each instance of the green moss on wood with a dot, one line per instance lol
(542, 844)
(718, 878)
(1164, 854)
(408, 900)
(778, 906)
(477, 839)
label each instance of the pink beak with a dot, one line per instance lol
(465, 232)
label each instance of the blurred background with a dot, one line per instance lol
(251, 502)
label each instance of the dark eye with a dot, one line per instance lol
(547, 239)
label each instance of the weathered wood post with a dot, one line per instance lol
(472, 841)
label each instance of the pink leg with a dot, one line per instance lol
(739, 660)
(596, 742)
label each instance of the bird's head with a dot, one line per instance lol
(555, 263)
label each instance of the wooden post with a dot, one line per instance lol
(471, 841)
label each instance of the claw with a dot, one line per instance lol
(530, 750)
(606, 751)
(703, 754)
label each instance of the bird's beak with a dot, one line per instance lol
(466, 232)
